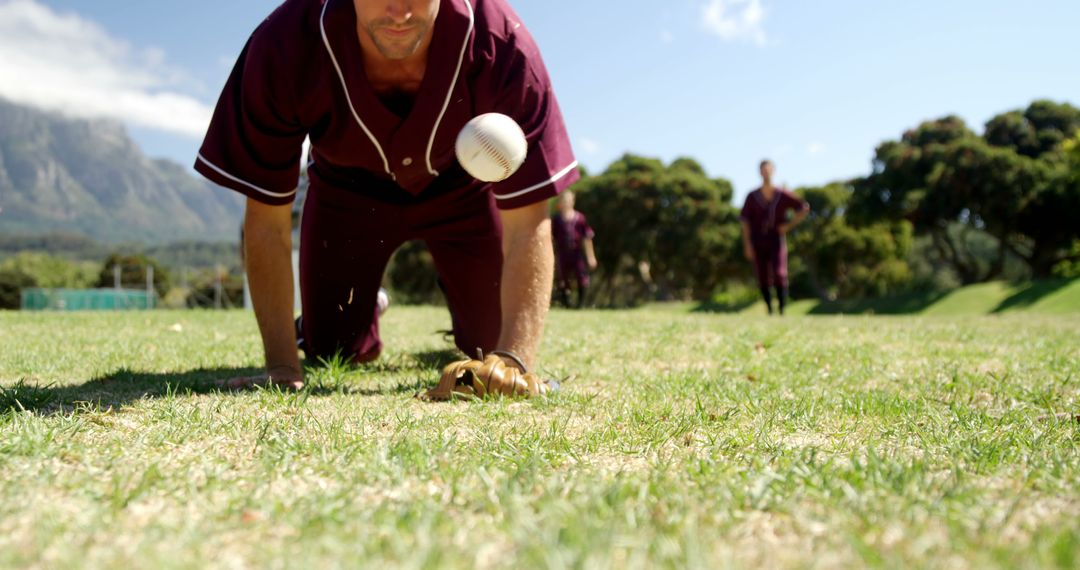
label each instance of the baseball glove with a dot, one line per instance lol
(490, 377)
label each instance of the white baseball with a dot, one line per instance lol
(491, 147)
(382, 301)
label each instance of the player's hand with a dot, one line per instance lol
(783, 229)
(748, 252)
(282, 377)
(592, 263)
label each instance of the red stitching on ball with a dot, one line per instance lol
(493, 151)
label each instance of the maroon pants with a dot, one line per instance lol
(770, 260)
(346, 240)
(571, 268)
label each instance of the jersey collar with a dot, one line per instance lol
(454, 28)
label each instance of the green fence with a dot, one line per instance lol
(86, 300)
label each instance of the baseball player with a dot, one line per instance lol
(382, 88)
(574, 252)
(765, 225)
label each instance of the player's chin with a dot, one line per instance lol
(395, 48)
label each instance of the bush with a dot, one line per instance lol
(662, 232)
(731, 297)
(834, 259)
(411, 276)
(1070, 269)
(202, 293)
(51, 271)
(133, 271)
(12, 282)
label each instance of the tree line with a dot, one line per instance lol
(209, 287)
(941, 206)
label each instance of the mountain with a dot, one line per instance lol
(89, 177)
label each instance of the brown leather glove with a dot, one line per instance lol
(490, 377)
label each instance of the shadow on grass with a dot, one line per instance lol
(908, 304)
(116, 389)
(123, 387)
(723, 307)
(1031, 294)
(899, 305)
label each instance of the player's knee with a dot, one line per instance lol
(369, 355)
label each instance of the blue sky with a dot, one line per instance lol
(815, 85)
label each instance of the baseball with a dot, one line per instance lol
(491, 147)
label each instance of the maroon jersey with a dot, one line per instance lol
(569, 255)
(765, 216)
(568, 235)
(770, 248)
(301, 75)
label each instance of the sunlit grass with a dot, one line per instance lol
(682, 440)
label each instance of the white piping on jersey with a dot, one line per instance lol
(560, 174)
(215, 168)
(453, 84)
(341, 76)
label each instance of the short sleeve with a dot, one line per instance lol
(526, 95)
(255, 139)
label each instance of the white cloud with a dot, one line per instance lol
(816, 148)
(588, 145)
(63, 62)
(735, 20)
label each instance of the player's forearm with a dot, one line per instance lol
(268, 261)
(528, 269)
(796, 220)
(590, 254)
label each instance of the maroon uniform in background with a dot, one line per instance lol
(770, 246)
(570, 263)
(381, 176)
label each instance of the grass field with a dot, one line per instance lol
(684, 440)
(1050, 297)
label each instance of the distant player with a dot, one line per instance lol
(382, 88)
(765, 225)
(574, 252)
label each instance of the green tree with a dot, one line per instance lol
(1069, 197)
(667, 232)
(841, 261)
(952, 184)
(1036, 131)
(203, 289)
(12, 282)
(1000, 189)
(133, 271)
(906, 183)
(52, 271)
(411, 276)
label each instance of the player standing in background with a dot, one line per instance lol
(574, 252)
(382, 88)
(765, 226)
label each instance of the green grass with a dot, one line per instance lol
(1039, 297)
(684, 440)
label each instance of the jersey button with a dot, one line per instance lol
(407, 161)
